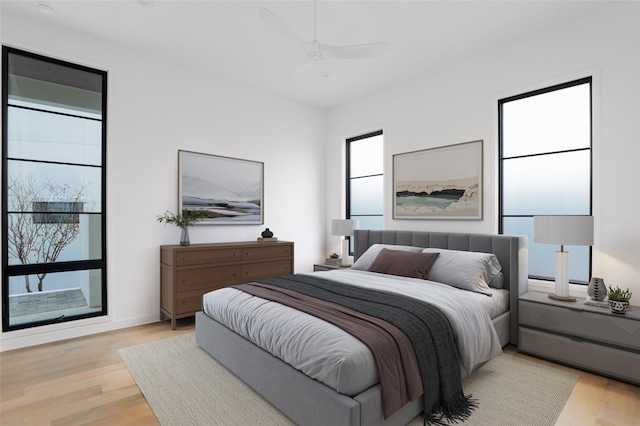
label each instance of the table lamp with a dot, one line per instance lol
(344, 228)
(563, 230)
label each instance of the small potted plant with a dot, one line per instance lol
(618, 299)
(183, 220)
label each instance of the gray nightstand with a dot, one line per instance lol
(326, 267)
(580, 335)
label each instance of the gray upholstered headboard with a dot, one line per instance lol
(510, 250)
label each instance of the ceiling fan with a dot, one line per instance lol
(314, 50)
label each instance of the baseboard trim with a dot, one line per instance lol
(56, 332)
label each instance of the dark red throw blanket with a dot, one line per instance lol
(397, 364)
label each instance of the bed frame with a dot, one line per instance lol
(309, 402)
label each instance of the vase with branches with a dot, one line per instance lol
(182, 220)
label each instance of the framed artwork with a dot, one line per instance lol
(439, 183)
(230, 190)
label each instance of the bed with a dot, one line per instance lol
(309, 401)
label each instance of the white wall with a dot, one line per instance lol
(154, 109)
(458, 103)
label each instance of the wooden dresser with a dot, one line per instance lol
(188, 272)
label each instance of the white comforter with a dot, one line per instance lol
(334, 357)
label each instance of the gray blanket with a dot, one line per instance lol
(425, 326)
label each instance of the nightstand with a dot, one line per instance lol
(327, 267)
(583, 336)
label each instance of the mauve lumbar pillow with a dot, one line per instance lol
(403, 263)
(364, 262)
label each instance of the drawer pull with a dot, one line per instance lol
(576, 339)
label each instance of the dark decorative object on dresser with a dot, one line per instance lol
(267, 236)
(597, 289)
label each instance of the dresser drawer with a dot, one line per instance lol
(203, 257)
(210, 277)
(267, 252)
(600, 359)
(613, 330)
(263, 270)
(189, 301)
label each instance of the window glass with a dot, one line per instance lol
(41, 135)
(365, 181)
(366, 196)
(545, 168)
(53, 145)
(64, 295)
(558, 184)
(542, 256)
(366, 156)
(554, 121)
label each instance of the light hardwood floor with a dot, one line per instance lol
(84, 381)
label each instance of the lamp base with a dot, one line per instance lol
(345, 253)
(562, 298)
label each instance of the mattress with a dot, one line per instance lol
(334, 357)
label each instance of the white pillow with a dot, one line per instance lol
(468, 270)
(365, 261)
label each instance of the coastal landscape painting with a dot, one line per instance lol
(229, 190)
(439, 183)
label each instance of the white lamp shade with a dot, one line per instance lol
(564, 230)
(343, 227)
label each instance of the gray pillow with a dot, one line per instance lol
(365, 261)
(403, 263)
(498, 281)
(468, 270)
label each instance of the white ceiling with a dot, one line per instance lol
(228, 38)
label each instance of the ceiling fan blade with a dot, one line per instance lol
(280, 27)
(355, 51)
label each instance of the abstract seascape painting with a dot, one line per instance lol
(229, 190)
(439, 183)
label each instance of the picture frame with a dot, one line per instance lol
(439, 183)
(230, 190)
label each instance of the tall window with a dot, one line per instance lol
(53, 191)
(365, 180)
(545, 168)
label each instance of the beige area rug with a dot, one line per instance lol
(186, 386)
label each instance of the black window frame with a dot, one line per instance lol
(349, 178)
(62, 266)
(501, 102)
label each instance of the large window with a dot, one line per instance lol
(53, 191)
(365, 180)
(545, 168)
